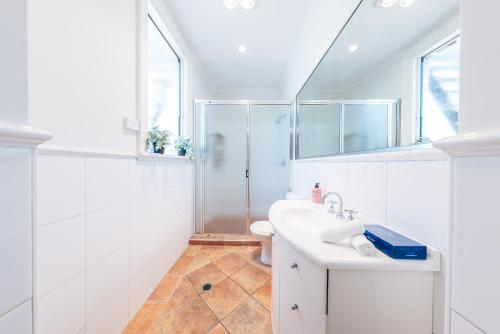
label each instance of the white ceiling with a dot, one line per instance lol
(381, 34)
(270, 33)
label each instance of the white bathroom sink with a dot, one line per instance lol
(309, 220)
(299, 221)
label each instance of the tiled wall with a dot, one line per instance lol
(476, 230)
(412, 197)
(108, 229)
(15, 241)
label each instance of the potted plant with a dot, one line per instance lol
(183, 146)
(158, 139)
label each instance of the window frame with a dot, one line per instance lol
(179, 79)
(148, 11)
(419, 74)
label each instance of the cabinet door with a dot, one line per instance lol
(304, 275)
(275, 314)
(298, 315)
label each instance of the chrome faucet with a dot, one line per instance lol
(340, 211)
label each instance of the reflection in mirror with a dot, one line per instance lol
(391, 78)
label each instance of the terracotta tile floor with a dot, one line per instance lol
(238, 302)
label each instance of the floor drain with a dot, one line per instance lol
(207, 286)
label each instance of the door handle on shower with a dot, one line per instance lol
(247, 173)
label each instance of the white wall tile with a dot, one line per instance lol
(15, 228)
(141, 287)
(418, 200)
(107, 182)
(154, 206)
(105, 279)
(136, 226)
(336, 178)
(17, 321)
(107, 230)
(145, 181)
(60, 187)
(461, 326)
(62, 311)
(144, 249)
(306, 175)
(476, 245)
(113, 318)
(168, 256)
(61, 252)
(367, 189)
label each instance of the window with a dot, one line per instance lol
(164, 82)
(439, 92)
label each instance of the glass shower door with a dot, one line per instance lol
(225, 166)
(269, 157)
(366, 126)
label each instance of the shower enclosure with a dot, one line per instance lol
(242, 151)
(332, 127)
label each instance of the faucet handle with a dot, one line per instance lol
(350, 214)
(331, 208)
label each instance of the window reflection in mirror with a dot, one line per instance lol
(390, 79)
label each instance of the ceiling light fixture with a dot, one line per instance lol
(248, 4)
(385, 3)
(231, 4)
(390, 3)
(406, 3)
(242, 49)
(354, 48)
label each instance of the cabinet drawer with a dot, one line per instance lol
(298, 315)
(304, 275)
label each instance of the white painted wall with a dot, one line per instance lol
(15, 176)
(479, 66)
(325, 23)
(82, 64)
(248, 94)
(82, 75)
(476, 273)
(108, 230)
(13, 70)
(15, 241)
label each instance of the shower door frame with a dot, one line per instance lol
(201, 135)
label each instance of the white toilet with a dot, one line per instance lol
(263, 230)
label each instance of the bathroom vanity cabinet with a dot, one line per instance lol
(314, 296)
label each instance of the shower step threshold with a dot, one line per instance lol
(220, 239)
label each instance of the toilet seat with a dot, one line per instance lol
(263, 228)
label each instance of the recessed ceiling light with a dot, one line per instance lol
(230, 4)
(242, 48)
(385, 3)
(406, 3)
(353, 48)
(248, 4)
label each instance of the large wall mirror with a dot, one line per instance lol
(390, 79)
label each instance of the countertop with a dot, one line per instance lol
(341, 256)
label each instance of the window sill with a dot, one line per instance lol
(146, 156)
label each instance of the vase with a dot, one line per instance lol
(181, 152)
(160, 150)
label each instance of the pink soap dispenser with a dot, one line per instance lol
(316, 194)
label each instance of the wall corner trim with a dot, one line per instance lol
(483, 143)
(22, 135)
